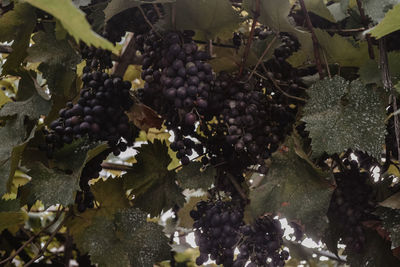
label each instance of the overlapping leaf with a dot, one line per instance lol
(391, 222)
(74, 21)
(17, 25)
(193, 177)
(151, 182)
(11, 216)
(209, 17)
(125, 238)
(342, 115)
(295, 189)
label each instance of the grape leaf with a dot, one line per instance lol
(295, 189)
(193, 177)
(209, 17)
(117, 6)
(20, 118)
(74, 21)
(392, 201)
(370, 73)
(319, 8)
(110, 194)
(126, 239)
(376, 10)
(79, 3)
(337, 49)
(151, 182)
(17, 25)
(58, 63)
(51, 186)
(11, 216)
(341, 115)
(59, 184)
(391, 222)
(389, 24)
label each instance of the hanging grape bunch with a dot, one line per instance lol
(216, 225)
(99, 114)
(261, 244)
(177, 84)
(251, 125)
(351, 204)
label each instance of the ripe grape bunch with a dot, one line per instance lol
(216, 225)
(99, 114)
(177, 84)
(250, 126)
(351, 204)
(261, 244)
(85, 199)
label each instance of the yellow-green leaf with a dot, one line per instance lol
(74, 21)
(390, 23)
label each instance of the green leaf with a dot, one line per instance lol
(117, 6)
(152, 184)
(193, 176)
(370, 73)
(17, 25)
(294, 188)
(391, 222)
(319, 8)
(58, 65)
(110, 194)
(47, 48)
(126, 239)
(342, 115)
(389, 24)
(212, 18)
(74, 21)
(11, 216)
(337, 49)
(376, 252)
(392, 202)
(21, 118)
(51, 186)
(59, 184)
(376, 10)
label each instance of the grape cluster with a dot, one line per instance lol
(85, 199)
(216, 225)
(289, 45)
(177, 83)
(351, 204)
(96, 58)
(261, 244)
(99, 114)
(250, 124)
(262, 32)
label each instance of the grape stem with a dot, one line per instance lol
(314, 40)
(388, 86)
(279, 88)
(128, 56)
(5, 49)
(148, 21)
(364, 21)
(237, 187)
(256, 14)
(263, 55)
(30, 240)
(44, 248)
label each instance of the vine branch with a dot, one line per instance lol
(5, 49)
(30, 240)
(263, 55)
(388, 85)
(250, 40)
(364, 21)
(44, 248)
(314, 40)
(128, 57)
